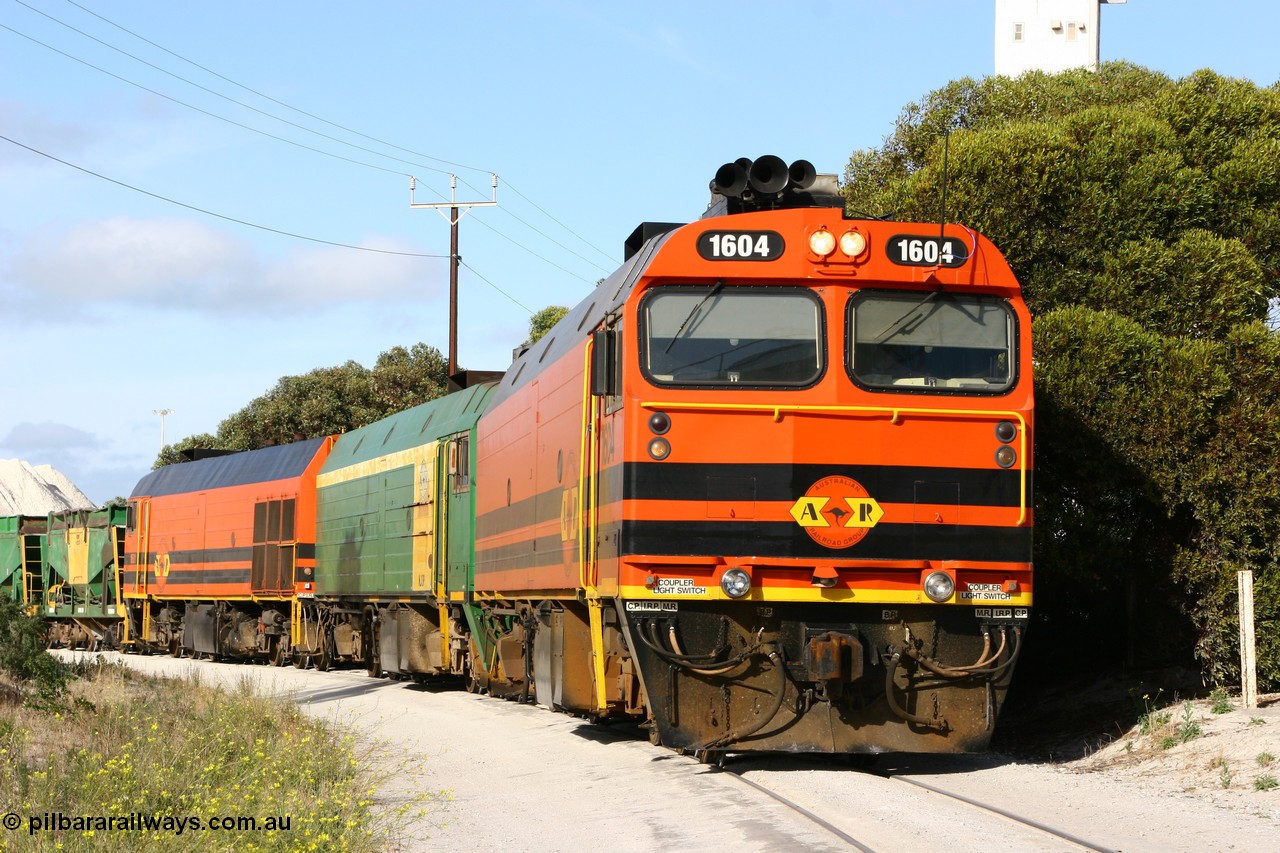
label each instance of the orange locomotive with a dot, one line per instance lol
(218, 550)
(769, 486)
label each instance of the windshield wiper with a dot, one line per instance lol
(899, 324)
(715, 288)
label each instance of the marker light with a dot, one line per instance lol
(852, 243)
(822, 242)
(659, 423)
(735, 582)
(1006, 456)
(659, 448)
(939, 586)
(1006, 431)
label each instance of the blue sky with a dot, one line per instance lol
(232, 201)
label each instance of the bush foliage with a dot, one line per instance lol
(23, 658)
(326, 401)
(1142, 216)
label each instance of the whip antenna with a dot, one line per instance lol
(942, 215)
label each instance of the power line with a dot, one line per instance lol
(212, 213)
(494, 286)
(290, 142)
(584, 240)
(265, 96)
(324, 121)
(542, 258)
(241, 125)
(255, 225)
(213, 92)
(303, 146)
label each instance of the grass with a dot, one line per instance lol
(1152, 719)
(1187, 729)
(1220, 701)
(124, 745)
(1224, 771)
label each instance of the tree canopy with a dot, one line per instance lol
(1142, 216)
(326, 401)
(541, 322)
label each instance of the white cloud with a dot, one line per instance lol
(322, 276)
(183, 264)
(26, 437)
(158, 262)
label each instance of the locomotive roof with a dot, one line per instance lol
(411, 428)
(237, 469)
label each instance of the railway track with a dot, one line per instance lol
(901, 814)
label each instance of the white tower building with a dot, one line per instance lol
(1047, 35)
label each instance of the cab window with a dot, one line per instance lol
(732, 336)
(931, 342)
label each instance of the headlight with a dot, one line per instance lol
(822, 242)
(659, 448)
(939, 586)
(852, 243)
(736, 583)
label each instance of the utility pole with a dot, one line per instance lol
(162, 413)
(454, 258)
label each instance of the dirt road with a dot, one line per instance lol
(496, 775)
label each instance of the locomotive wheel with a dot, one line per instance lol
(175, 648)
(301, 661)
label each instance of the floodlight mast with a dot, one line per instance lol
(454, 259)
(162, 413)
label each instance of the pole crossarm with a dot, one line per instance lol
(452, 203)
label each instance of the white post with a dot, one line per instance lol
(162, 413)
(1248, 651)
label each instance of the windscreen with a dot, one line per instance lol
(732, 336)
(934, 341)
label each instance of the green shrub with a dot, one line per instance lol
(23, 657)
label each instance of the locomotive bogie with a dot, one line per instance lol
(775, 678)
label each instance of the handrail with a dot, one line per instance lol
(588, 460)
